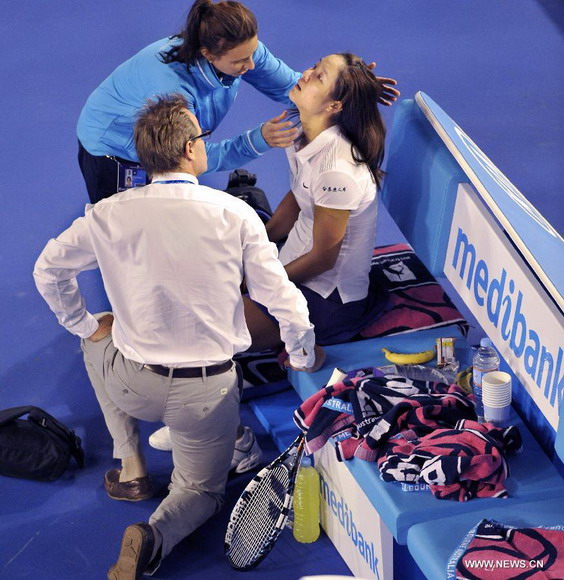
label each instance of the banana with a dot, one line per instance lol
(464, 380)
(412, 358)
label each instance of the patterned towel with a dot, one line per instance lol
(416, 301)
(376, 408)
(458, 464)
(418, 432)
(496, 551)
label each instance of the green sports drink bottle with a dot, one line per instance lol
(306, 503)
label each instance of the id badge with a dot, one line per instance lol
(130, 175)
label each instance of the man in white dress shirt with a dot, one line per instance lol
(172, 255)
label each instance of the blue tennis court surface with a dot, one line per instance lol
(494, 67)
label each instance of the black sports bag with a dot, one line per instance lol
(242, 184)
(39, 447)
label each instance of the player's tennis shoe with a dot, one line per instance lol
(160, 439)
(247, 454)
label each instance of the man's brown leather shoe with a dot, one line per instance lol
(134, 490)
(135, 553)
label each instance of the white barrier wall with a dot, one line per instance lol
(466, 220)
(507, 300)
(351, 521)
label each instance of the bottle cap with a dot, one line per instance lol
(306, 461)
(486, 342)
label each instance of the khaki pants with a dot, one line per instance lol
(203, 415)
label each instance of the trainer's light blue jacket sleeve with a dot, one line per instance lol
(235, 152)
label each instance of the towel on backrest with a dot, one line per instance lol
(416, 301)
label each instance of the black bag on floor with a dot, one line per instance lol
(242, 184)
(39, 447)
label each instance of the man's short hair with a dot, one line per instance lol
(162, 130)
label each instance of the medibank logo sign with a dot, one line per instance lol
(508, 302)
(346, 518)
(351, 521)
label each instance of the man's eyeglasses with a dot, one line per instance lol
(205, 136)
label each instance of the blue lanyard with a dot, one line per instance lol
(175, 181)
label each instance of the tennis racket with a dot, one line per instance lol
(260, 514)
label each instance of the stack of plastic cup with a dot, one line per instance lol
(496, 396)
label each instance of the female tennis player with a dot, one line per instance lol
(329, 215)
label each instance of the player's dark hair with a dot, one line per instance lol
(218, 27)
(360, 121)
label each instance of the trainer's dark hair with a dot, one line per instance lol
(359, 91)
(219, 27)
(161, 132)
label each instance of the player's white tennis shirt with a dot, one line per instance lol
(325, 174)
(172, 256)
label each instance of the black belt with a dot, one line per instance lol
(190, 372)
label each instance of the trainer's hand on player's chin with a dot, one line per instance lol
(279, 133)
(105, 327)
(320, 357)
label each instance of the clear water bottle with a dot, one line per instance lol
(306, 503)
(485, 360)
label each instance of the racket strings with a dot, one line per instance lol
(260, 517)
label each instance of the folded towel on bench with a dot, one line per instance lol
(416, 301)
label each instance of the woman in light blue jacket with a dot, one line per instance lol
(205, 63)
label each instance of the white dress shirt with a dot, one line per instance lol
(325, 174)
(172, 258)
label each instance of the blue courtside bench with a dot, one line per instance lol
(544, 509)
(417, 519)
(435, 191)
